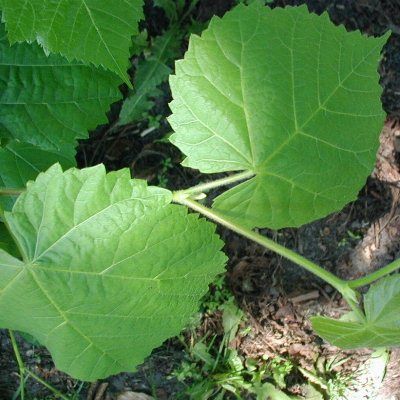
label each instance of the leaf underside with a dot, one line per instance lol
(382, 325)
(92, 31)
(110, 268)
(287, 95)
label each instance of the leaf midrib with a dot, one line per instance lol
(122, 73)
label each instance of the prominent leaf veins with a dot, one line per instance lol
(287, 95)
(48, 102)
(110, 268)
(92, 31)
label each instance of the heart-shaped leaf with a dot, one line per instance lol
(110, 269)
(287, 95)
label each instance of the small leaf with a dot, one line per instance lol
(268, 391)
(200, 351)
(150, 73)
(311, 393)
(48, 102)
(92, 31)
(232, 316)
(21, 162)
(110, 268)
(287, 95)
(171, 8)
(381, 327)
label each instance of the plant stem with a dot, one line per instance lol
(11, 191)
(23, 371)
(17, 393)
(21, 365)
(327, 276)
(203, 187)
(366, 280)
(340, 285)
(47, 385)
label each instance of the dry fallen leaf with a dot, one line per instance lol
(134, 396)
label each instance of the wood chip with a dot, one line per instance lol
(305, 297)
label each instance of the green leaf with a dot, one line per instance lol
(287, 95)
(92, 31)
(232, 316)
(269, 391)
(48, 102)
(200, 351)
(311, 393)
(150, 73)
(110, 268)
(172, 8)
(21, 162)
(381, 327)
